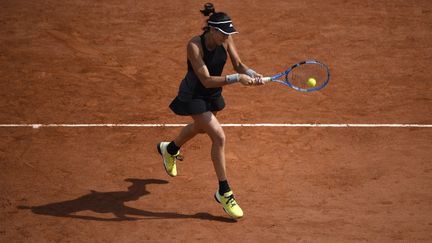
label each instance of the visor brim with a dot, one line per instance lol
(227, 31)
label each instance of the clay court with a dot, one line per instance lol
(120, 62)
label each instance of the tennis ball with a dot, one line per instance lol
(311, 82)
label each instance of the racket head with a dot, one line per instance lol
(297, 76)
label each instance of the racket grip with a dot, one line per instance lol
(266, 79)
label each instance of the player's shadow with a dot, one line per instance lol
(114, 203)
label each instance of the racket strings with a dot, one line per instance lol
(300, 75)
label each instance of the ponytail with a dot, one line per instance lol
(208, 9)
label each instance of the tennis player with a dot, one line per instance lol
(200, 97)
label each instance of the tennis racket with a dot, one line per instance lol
(305, 76)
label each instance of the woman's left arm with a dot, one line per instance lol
(238, 65)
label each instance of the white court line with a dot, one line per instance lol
(224, 125)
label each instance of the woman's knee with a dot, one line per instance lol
(207, 123)
(218, 137)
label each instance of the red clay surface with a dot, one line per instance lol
(112, 62)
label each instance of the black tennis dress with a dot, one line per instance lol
(193, 98)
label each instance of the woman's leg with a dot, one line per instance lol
(208, 123)
(170, 150)
(188, 132)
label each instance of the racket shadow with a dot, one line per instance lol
(114, 203)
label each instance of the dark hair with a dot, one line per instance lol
(209, 10)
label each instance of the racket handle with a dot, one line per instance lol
(266, 79)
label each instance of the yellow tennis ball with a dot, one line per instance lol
(311, 82)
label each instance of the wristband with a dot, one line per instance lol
(250, 72)
(232, 78)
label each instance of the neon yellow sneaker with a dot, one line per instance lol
(229, 204)
(169, 160)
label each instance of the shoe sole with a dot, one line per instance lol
(163, 160)
(158, 148)
(217, 200)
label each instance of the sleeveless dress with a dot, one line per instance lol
(193, 98)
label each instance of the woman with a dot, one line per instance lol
(200, 96)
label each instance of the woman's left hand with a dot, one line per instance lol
(258, 79)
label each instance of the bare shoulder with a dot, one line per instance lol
(195, 41)
(194, 45)
(229, 42)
